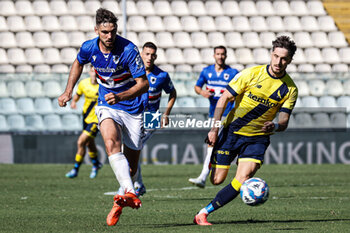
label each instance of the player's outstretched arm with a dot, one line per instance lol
(74, 76)
(219, 110)
(282, 124)
(138, 89)
(171, 102)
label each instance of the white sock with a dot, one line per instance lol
(204, 210)
(121, 170)
(205, 171)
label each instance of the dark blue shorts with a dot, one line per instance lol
(231, 145)
(90, 129)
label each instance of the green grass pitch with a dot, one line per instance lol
(303, 198)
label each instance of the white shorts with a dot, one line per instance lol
(147, 135)
(131, 125)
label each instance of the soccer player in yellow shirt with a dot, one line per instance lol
(89, 88)
(259, 92)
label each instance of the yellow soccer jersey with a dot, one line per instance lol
(259, 96)
(90, 91)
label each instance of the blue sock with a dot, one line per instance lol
(76, 166)
(227, 194)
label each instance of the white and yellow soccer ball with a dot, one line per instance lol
(254, 191)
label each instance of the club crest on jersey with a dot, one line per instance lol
(116, 59)
(210, 74)
(226, 76)
(153, 80)
(94, 57)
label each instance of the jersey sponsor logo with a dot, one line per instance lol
(226, 76)
(261, 100)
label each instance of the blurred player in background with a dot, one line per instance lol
(216, 77)
(158, 80)
(89, 88)
(259, 92)
(122, 81)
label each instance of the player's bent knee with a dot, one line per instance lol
(112, 146)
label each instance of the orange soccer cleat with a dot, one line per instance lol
(128, 199)
(201, 219)
(114, 214)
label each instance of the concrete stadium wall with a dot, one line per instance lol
(180, 147)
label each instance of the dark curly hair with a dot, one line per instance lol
(105, 16)
(286, 43)
(150, 45)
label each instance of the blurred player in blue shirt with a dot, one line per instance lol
(159, 80)
(216, 77)
(122, 81)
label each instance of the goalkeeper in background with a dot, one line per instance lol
(89, 88)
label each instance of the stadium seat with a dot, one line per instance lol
(60, 39)
(338, 120)
(213, 8)
(344, 54)
(265, 8)
(244, 56)
(51, 56)
(248, 8)
(234, 40)
(303, 88)
(76, 7)
(330, 55)
(24, 69)
(320, 39)
(24, 8)
(323, 68)
(162, 8)
(241, 24)
(43, 105)
(137, 24)
(59, 68)
(337, 39)
(275, 24)
(197, 8)
(292, 23)
(189, 23)
(7, 8)
(231, 57)
(202, 102)
(16, 56)
(172, 24)
(112, 6)
(52, 122)
(91, 7)
(309, 24)
(131, 8)
(192, 56)
(303, 120)
(334, 87)
(174, 56)
(8, 106)
(282, 8)
(167, 67)
(7, 40)
(206, 24)
(299, 8)
(223, 24)
(165, 40)
(50, 23)
(328, 102)
(251, 40)
(344, 102)
(132, 36)
(258, 24)
(71, 122)
(145, 8)
(315, 8)
(68, 23)
(198, 68)
(76, 38)
(313, 55)
(43, 68)
(41, 7)
(310, 102)
(7, 68)
(3, 57)
(34, 123)
(33, 23)
(85, 23)
(3, 124)
(186, 102)
(340, 68)
(326, 23)
(299, 103)
(306, 68)
(16, 122)
(42, 39)
(3, 24)
(321, 120)
(179, 8)
(317, 87)
(199, 40)
(24, 40)
(3, 90)
(207, 55)
(216, 39)
(25, 106)
(266, 39)
(146, 37)
(303, 39)
(16, 24)
(292, 68)
(231, 8)
(261, 56)
(182, 40)
(34, 89)
(154, 24)
(52, 89)
(16, 89)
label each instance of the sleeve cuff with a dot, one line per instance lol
(231, 91)
(286, 110)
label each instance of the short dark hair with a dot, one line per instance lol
(150, 45)
(105, 16)
(286, 43)
(220, 47)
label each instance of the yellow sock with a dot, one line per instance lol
(236, 184)
(79, 158)
(93, 155)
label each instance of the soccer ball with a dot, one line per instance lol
(254, 191)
